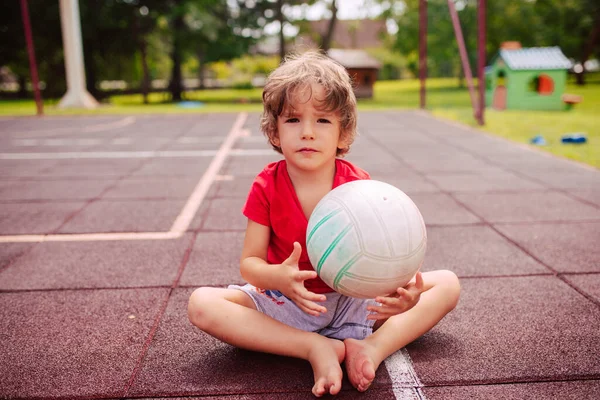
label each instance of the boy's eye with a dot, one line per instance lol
(323, 121)
(291, 120)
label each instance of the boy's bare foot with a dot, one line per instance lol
(325, 359)
(359, 364)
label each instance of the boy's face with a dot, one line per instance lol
(307, 135)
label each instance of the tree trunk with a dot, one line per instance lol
(145, 72)
(90, 70)
(588, 48)
(23, 87)
(201, 70)
(89, 23)
(326, 42)
(141, 42)
(175, 85)
(281, 19)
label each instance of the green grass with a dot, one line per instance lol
(521, 126)
(444, 99)
(214, 101)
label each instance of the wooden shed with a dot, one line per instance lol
(527, 79)
(361, 67)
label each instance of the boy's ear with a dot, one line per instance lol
(342, 141)
(275, 140)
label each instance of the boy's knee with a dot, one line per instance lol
(198, 303)
(451, 287)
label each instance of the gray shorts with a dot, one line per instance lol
(346, 317)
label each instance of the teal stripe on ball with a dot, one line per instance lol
(339, 237)
(321, 222)
(345, 269)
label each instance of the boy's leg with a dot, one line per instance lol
(364, 356)
(230, 315)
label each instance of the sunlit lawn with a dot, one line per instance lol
(522, 126)
(444, 99)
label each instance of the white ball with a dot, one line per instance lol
(366, 238)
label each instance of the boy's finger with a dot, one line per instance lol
(313, 307)
(304, 275)
(295, 255)
(377, 309)
(309, 311)
(387, 300)
(419, 280)
(310, 296)
(376, 315)
(296, 252)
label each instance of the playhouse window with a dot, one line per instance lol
(488, 82)
(542, 84)
(501, 80)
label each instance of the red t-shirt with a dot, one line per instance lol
(272, 202)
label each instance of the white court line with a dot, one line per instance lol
(195, 139)
(105, 154)
(182, 221)
(81, 155)
(121, 141)
(189, 210)
(244, 137)
(405, 383)
(55, 142)
(90, 237)
(88, 129)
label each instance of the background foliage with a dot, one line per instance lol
(137, 42)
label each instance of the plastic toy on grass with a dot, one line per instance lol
(576, 138)
(538, 140)
(190, 104)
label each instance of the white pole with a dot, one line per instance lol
(77, 95)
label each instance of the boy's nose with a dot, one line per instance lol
(307, 133)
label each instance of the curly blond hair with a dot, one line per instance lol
(299, 71)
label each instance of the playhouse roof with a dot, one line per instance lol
(535, 58)
(353, 58)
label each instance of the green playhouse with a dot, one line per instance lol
(527, 79)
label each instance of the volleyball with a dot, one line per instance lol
(366, 238)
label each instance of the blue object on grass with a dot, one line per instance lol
(190, 104)
(539, 140)
(574, 138)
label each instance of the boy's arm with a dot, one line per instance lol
(285, 277)
(253, 267)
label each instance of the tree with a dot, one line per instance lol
(177, 33)
(326, 40)
(572, 25)
(118, 33)
(145, 16)
(210, 30)
(274, 11)
(224, 33)
(591, 44)
(507, 20)
(442, 50)
(47, 40)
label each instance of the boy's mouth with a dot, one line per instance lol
(307, 150)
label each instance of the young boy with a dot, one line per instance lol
(310, 117)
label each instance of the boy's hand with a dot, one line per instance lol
(292, 284)
(396, 303)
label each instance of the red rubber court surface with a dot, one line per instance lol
(107, 224)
